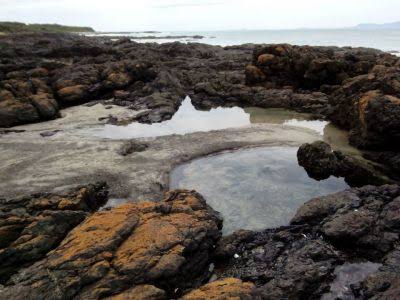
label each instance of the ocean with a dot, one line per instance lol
(386, 40)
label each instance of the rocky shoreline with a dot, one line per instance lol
(55, 244)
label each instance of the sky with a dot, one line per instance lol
(197, 15)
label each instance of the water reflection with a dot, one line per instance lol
(337, 138)
(286, 117)
(255, 188)
(186, 120)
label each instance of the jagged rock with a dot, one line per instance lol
(368, 105)
(229, 288)
(166, 244)
(298, 261)
(311, 67)
(284, 263)
(32, 226)
(321, 162)
(362, 220)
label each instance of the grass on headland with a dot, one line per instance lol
(16, 27)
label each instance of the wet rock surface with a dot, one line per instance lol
(165, 244)
(299, 261)
(32, 226)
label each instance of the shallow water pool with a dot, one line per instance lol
(188, 120)
(255, 188)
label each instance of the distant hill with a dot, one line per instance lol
(16, 27)
(394, 25)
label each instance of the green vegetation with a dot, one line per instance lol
(15, 27)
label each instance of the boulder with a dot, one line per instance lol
(321, 162)
(166, 244)
(32, 226)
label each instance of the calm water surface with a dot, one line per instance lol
(254, 188)
(188, 120)
(384, 39)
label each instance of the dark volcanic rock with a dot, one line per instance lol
(363, 220)
(298, 261)
(32, 226)
(166, 244)
(368, 105)
(361, 87)
(312, 67)
(321, 162)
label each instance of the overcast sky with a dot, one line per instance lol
(131, 15)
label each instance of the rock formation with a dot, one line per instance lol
(32, 226)
(166, 244)
(321, 162)
(298, 261)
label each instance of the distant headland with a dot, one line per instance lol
(17, 27)
(393, 25)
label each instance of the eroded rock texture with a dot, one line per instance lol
(32, 226)
(165, 244)
(297, 262)
(361, 85)
(41, 72)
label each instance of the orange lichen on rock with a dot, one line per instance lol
(141, 292)
(32, 226)
(72, 93)
(363, 104)
(264, 58)
(99, 232)
(167, 242)
(254, 75)
(228, 288)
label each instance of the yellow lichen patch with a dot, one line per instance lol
(280, 49)
(362, 106)
(66, 204)
(141, 292)
(264, 58)
(42, 203)
(254, 74)
(142, 249)
(229, 288)
(393, 99)
(72, 92)
(97, 234)
(158, 242)
(119, 79)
